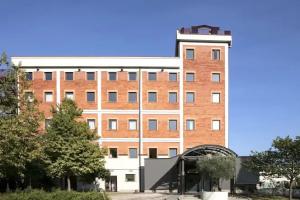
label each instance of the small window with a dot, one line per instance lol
(69, 95)
(132, 76)
(69, 76)
(216, 124)
(173, 125)
(47, 123)
(28, 76)
(190, 54)
(112, 97)
(29, 96)
(152, 97)
(216, 54)
(90, 96)
(132, 124)
(48, 96)
(172, 76)
(91, 123)
(152, 124)
(90, 76)
(130, 177)
(152, 152)
(132, 152)
(190, 97)
(172, 97)
(132, 96)
(215, 77)
(113, 152)
(172, 152)
(190, 77)
(190, 124)
(48, 76)
(112, 124)
(152, 76)
(112, 76)
(215, 97)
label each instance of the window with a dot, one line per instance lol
(113, 152)
(112, 97)
(172, 97)
(90, 76)
(215, 77)
(190, 54)
(91, 123)
(190, 124)
(69, 95)
(152, 96)
(29, 96)
(215, 97)
(132, 96)
(112, 76)
(172, 76)
(216, 125)
(132, 152)
(152, 76)
(152, 152)
(112, 124)
(152, 124)
(172, 152)
(47, 123)
(28, 76)
(90, 96)
(216, 54)
(190, 77)
(132, 76)
(190, 97)
(173, 125)
(48, 96)
(48, 76)
(129, 177)
(69, 76)
(132, 124)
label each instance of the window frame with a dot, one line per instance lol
(136, 96)
(156, 125)
(126, 179)
(45, 94)
(172, 148)
(212, 124)
(150, 154)
(213, 55)
(87, 76)
(109, 152)
(45, 76)
(129, 155)
(212, 77)
(91, 119)
(189, 73)
(108, 96)
(109, 127)
(136, 124)
(90, 91)
(26, 76)
(69, 91)
(186, 53)
(186, 124)
(219, 97)
(169, 127)
(132, 73)
(66, 77)
(186, 97)
(148, 96)
(109, 77)
(169, 95)
(152, 73)
(173, 73)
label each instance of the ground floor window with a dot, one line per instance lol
(153, 153)
(130, 177)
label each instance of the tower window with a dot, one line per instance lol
(189, 54)
(216, 54)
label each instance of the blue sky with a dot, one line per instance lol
(264, 59)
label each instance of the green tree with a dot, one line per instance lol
(281, 160)
(70, 147)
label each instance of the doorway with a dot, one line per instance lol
(111, 184)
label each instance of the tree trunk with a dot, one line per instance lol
(69, 183)
(7, 186)
(29, 183)
(291, 190)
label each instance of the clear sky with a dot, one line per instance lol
(264, 60)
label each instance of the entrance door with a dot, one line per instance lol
(111, 184)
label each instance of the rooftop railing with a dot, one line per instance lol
(204, 30)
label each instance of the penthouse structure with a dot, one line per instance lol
(143, 107)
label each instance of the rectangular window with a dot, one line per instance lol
(90, 96)
(216, 54)
(48, 96)
(129, 177)
(152, 97)
(28, 76)
(190, 77)
(172, 76)
(132, 152)
(69, 95)
(215, 77)
(190, 54)
(173, 125)
(113, 152)
(112, 97)
(112, 124)
(90, 76)
(216, 124)
(69, 76)
(29, 96)
(152, 76)
(132, 76)
(112, 76)
(152, 124)
(190, 97)
(132, 96)
(190, 124)
(215, 97)
(152, 152)
(132, 124)
(48, 76)
(172, 152)
(172, 97)
(47, 123)
(91, 123)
